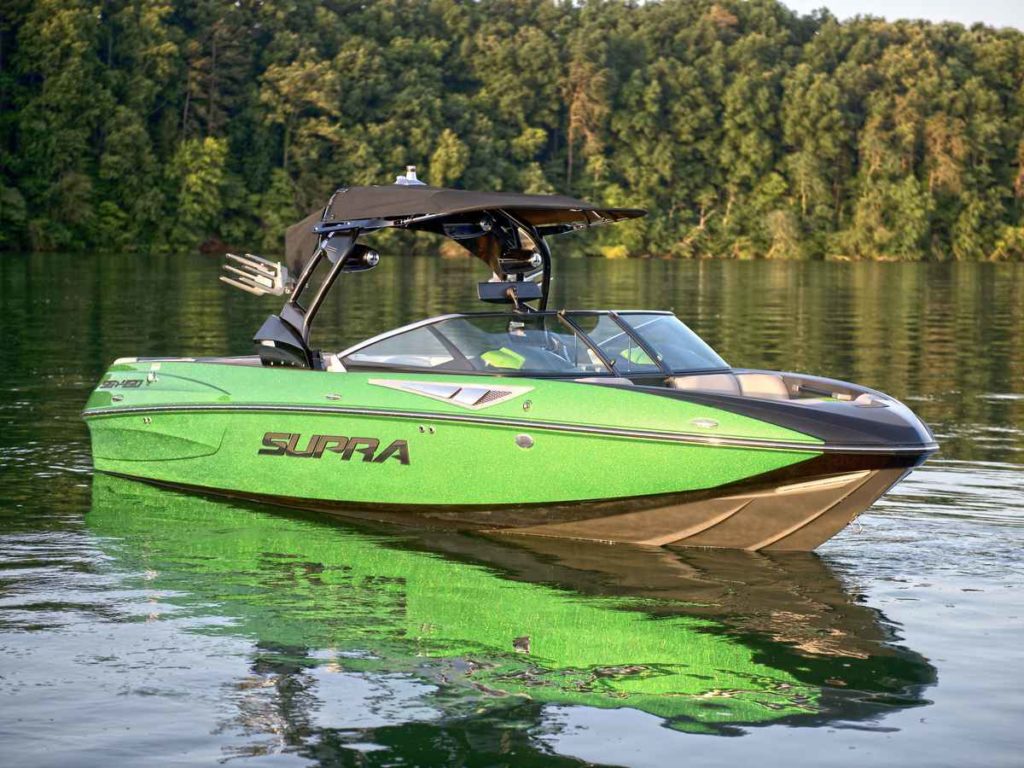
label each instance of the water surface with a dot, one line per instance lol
(140, 626)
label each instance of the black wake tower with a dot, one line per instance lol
(504, 230)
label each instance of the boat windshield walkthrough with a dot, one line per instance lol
(614, 426)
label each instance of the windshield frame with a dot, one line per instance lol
(565, 317)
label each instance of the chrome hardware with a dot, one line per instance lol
(257, 275)
(524, 441)
(527, 405)
(409, 179)
(704, 423)
(333, 396)
(865, 400)
(520, 260)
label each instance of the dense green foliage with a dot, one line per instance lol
(745, 129)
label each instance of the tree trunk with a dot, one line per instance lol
(184, 111)
(211, 121)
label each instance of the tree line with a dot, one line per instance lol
(746, 130)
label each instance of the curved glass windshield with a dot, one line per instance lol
(524, 344)
(676, 346)
(616, 344)
(416, 348)
(574, 344)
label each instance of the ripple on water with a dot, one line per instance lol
(984, 492)
(949, 520)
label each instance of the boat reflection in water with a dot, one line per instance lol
(395, 638)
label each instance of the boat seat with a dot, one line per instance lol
(768, 386)
(610, 380)
(765, 386)
(725, 383)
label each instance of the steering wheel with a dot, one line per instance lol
(558, 347)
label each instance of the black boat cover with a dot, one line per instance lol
(398, 201)
(411, 206)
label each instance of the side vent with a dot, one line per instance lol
(465, 395)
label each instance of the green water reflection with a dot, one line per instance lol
(461, 629)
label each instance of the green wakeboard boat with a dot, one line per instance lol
(615, 426)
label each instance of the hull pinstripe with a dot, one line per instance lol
(423, 416)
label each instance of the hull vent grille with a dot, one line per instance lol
(468, 396)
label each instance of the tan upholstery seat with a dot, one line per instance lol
(724, 383)
(613, 380)
(768, 386)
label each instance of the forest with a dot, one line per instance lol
(746, 130)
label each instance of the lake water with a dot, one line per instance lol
(144, 627)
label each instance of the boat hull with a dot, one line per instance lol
(795, 517)
(645, 469)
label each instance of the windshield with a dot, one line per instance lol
(521, 344)
(679, 348)
(616, 344)
(634, 343)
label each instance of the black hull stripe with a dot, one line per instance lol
(690, 439)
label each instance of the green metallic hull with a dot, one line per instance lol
(465, 462)
(549, 457)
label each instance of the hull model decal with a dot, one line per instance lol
(121, 384)
(287, 444)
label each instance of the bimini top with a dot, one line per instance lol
(505, 230)
(419, 206)
(421, 202)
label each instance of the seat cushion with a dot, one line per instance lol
(707, 382)
(768, 386)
